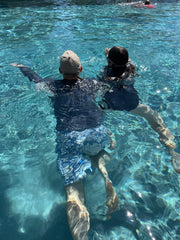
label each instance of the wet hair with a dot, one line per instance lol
(118, 56)
(147, 2)
(118, 75)
(129, 70)
(121, 66)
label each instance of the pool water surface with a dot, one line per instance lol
(36, 33)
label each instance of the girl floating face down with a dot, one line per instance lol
(119, 74)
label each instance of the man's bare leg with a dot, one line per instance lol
(77, 214)
(112, 199)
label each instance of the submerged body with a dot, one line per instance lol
(119, 74)
(81, 138)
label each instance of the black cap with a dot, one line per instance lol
(118, 55)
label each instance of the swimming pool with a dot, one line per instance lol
(32, 194)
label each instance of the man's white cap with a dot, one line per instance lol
(70, 64)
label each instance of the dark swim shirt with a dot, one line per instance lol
(122, 98)
(122, 95)
(72, 100)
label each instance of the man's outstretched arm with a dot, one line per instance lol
(27, 72)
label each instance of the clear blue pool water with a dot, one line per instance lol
(32, 199)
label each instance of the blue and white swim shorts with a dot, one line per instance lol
(73, 149)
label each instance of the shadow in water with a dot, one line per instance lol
(59, 227)
(34, 228)
(122, 217)
(8, 224)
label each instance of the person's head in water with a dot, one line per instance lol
(70, 65)
(119, 62)
(117, 57)
(147, 2)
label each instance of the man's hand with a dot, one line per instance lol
(17, 65)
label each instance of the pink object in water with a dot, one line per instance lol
(149, 6)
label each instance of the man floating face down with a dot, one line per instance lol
(81, 137)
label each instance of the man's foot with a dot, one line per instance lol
(168, 140)
(112, 199)
(176, 162)
(78, 219)
(170, 143)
